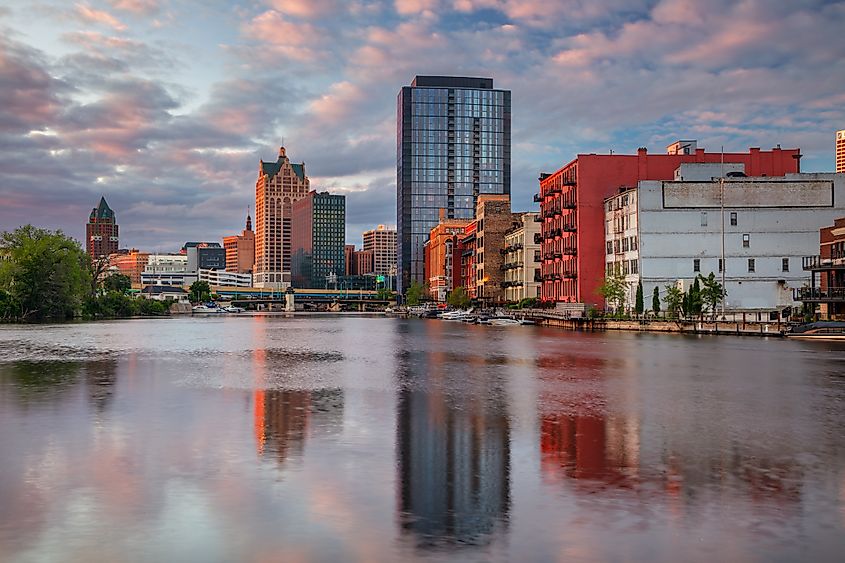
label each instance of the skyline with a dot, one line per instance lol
(171, 107)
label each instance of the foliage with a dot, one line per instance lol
(459, 298)
(526, 303)
(113, 304)
(694, 303)
(674, 300)
(593, 313)
(117, 282)
(384, 294)
(43, 275)
(639, 306)
(415, 294)
(614, 289)
(655, 301)
(199, 291)
(712, 292)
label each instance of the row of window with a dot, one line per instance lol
(733, 218)
(622, 245)
(752, 265)
(458, 95)
(624, 267)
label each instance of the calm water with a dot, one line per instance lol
(369, 439)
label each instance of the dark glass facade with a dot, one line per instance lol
(318, 238)
(453, 143)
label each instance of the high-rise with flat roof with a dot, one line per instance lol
(381, 241)
(840, 151)
(318, 240)
(453, 144)
(278, 186)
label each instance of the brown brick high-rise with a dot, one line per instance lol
(101, 231)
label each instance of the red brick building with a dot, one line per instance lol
(130, 263)
(827, 271)
(101, 232)
(572, 209)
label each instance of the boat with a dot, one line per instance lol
(820, 330)
(503, 321)
(233, 309)
(211, 308)
(456, 315)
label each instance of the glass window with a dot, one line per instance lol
(751, 265)
(733, 218)
(696, 265)
(784, 265)
(746, 240)
(703, 218)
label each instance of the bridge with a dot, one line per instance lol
(251, 296)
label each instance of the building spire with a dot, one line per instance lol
(248, 220)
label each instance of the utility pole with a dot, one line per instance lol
(722, 205)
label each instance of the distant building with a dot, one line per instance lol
(522, 258)
(453, 144)
(571, 206)
(129, 263)
(840, 151)
(279, 185)
(669, 232)
(348, 251)
(101, 232)
(240, 250)
(443, 257)
(205, 256)
(827, 274)
(362, 262)
(167, 269)
(318, 239)
(165, 292)
(494, 218)
(218, 278)
(381, 241)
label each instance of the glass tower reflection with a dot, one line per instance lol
(453, 446)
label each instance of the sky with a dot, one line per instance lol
(166, 108)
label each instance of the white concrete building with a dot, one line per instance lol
(217, 278)
(767, 223)
(522, 259)
(167, 269)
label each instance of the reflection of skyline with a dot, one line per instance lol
(454, 453)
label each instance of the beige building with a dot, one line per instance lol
(621, 239)
(382, 242)
(279, 184)
(840, 151)
(522, 258)
(493, 216)
(240, 250)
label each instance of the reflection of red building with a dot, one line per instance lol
(572, 207)
(281, 421)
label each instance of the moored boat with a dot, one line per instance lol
(820, 330)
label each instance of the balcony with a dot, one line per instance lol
(538, 218)
(570, 274)
(554, 190)
(569, 182)
(835, 262)
(537, 256)
(569, 228)
(571, 251)
(538, 238)
(538, 198)
(538, 278)
(569, 205)
(819, 295)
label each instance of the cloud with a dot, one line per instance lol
(305, 8)
(297, 40)
(137, 7)
(86, 13)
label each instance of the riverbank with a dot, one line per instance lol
(737, 328)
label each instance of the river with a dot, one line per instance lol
(353, 438)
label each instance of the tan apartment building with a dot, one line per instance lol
(240, 250)
(382, 242)
(522, 258)
(278, 186)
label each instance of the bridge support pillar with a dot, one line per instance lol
(289, 304)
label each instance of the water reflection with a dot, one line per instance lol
(453, 450)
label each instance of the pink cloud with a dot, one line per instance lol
(91, 15)
(137, 7)
(305, 8)
(297, 40)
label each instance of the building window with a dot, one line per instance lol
(720, 264)
(751, 264)
(634, 267)
(610, 247)
(733, 218)
(696, 265)
(703, 218)
(784, 264)
(746, 240)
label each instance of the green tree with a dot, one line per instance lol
(674, 300)
(694, 303)
(415, 294)
(117, 282)
(43, 274)
(459, 298)
(384, 293)
(712, 293)
(639, 305)
(614, 288)
(199, 291)
(655, 301)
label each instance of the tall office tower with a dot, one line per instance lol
(279, 185)
(453, 144)
(101, 231)
(840, 151)
(318, 238)
(382, 242)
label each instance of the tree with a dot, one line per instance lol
(712, 293)
(384, 294)
(639, 306)
(614, 288)
(117, 282)
(43, 274)
(414, 294)
(655, 301)
(694, 303)
(674, 300)
(199, 291)
(459, 298)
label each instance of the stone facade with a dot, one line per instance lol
(522, 259)
(494, 218)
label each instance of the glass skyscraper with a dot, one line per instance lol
(453, 143)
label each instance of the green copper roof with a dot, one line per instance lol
(102, 211)
(273, 168)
